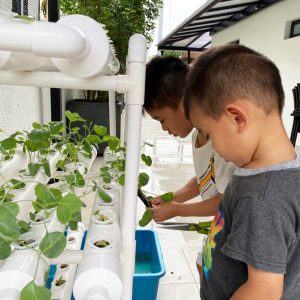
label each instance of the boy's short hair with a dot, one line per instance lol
(227, 73)
(165, 82)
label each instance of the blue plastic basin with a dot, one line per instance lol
(149, 267)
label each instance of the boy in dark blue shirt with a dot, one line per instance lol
(235, 95)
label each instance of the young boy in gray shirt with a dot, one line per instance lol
(235, 95)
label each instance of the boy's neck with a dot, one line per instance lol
(201, 139)
(273, 148)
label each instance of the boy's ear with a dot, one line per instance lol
(237, 115)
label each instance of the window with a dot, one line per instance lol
(295, 28)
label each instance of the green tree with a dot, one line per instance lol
(122, 19)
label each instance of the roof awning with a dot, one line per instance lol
(194, 34)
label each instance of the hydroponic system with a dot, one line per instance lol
(74, 53)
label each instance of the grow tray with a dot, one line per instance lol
(149, 267)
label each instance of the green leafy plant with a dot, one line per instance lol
(60, 198)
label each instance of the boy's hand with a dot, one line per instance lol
(157, 201)
(164, 212)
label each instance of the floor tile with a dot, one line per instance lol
(177, 268)
(178, 292)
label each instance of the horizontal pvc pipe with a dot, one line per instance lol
(19, 269)
(68, 257)
(41, 38)
(118, 83)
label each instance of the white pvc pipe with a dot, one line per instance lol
(118, 83)
(130, 197)
(112, 113)
(68, 257)
(19, 269)
(135, 100)
(42, 38)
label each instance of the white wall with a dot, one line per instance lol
(265, 32)
(21, 106)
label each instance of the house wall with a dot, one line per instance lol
(21, 106)
(267, 32)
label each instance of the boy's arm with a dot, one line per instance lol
(204, 208)
(188, 191)
(260, 285)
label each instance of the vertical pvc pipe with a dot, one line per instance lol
(135, 100)
(112, 113)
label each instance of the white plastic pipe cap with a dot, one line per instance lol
(97, 292)
(137, 48)
(97, 53)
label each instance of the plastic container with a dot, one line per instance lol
(149, 266)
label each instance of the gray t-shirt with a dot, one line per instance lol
(258, 223)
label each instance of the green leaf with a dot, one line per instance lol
(60, 165)
(31, 146)
(12, 207)
(73, 225)
(72, 117)
(47, 170)
(104, 196)
(33, 168)
(56, 127)
(146, 159)
(9, 143)
(113, 143)
(205, 224)
(71, 179)
(106, 177)
(167, 197)
(67, 206)
(9, 229)
(93, 139)
(146, 218)
(17, 184)
(80, 182)
(143, 179)
(34, 292)
(88, 148)
(5, 249)
(45, 196)
(100, 130)
(75, 129)
(36, 125)
(53, 244)
(122, 180)
(24, 226)
(71, 151)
